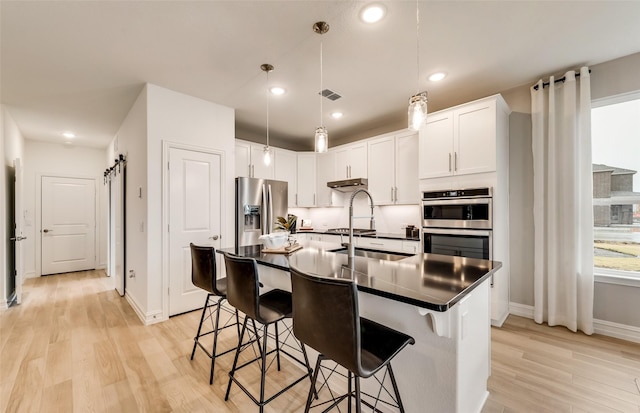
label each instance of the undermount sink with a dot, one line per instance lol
(376, 255)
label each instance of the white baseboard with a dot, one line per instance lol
(621, 331)
(31, 274)
(146, 318)
(606, 328)
(521, 310)
(498, 322)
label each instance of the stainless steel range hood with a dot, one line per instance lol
(348, 185)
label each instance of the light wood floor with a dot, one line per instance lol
(75, 346)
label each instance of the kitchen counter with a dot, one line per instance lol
(443, 302)
(431, 281)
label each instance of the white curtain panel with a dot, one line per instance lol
(563, 211)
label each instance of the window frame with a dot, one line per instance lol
(607, 275)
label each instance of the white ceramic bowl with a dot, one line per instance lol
(275, 239)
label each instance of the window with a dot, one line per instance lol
(615, 134)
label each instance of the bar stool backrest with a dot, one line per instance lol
(243, 286)
(325, 317)
(203, 269)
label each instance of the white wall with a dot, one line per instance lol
(11, 148)
(44, 158)
(160, 116)
(131, 140)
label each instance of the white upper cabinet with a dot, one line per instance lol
(351, 161)
(406, 155)
(286, 169)
(250, 161)
(306, 195)
(461, 140)
(382, 180)
(326, 172)
(393, 169)
(243, 159)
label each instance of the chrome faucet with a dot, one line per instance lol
(351, 246)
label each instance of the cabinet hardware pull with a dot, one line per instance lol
(314, 199)
(391, 194)
(455, 161)
(296, 199)
(449, 161)
(215, 237)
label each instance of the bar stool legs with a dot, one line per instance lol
(213, 304)
(261, 339)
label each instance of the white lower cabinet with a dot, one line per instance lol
(391, 245)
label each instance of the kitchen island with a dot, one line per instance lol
(442, 301)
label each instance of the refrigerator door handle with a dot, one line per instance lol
(270, 216)
(263, 214)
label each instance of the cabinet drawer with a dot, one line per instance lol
(380, 244)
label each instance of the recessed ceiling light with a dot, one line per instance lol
(437, 76)
(69, 135)
(336, 115)
(276, 90)
(373, 13)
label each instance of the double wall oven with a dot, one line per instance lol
(458, 222)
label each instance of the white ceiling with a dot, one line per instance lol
(79, 65)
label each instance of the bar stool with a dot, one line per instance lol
(204, 275)
(325, 317)
(243, 290)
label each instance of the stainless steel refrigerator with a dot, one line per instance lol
(258, 203)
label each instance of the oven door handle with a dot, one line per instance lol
(473, 232)
(459, 201)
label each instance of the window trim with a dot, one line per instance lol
(618, 277)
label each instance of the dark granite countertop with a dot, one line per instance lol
(432, 281)
(384, 235)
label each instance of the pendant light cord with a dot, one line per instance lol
(417, 47)
(267, 108)
(321, 83)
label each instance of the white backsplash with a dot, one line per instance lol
(389, 219)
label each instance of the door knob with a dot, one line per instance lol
(46, 230)
(215, 237)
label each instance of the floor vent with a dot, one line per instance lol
(330, 94)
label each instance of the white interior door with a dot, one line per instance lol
(194, 216)
(116, 232)
(68, 224)
(19, 225)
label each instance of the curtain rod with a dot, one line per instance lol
(562, 79)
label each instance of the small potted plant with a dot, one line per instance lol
(286, 224)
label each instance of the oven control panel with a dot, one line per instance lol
(457, 193)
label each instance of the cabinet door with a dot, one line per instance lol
(436, 146)
(358, 161)
(341, 164)
(260, 170)
(325, 173)
(407, 184)
(381, 170)
(306, 179)
(475, 144)
(286, 169)
(243, 159)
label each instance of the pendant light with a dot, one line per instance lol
(418, 102)
(267, 149)
(321, 136)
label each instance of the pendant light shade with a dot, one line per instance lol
(417, 103)
(267, 152)
(321, 136)
(417, 111)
